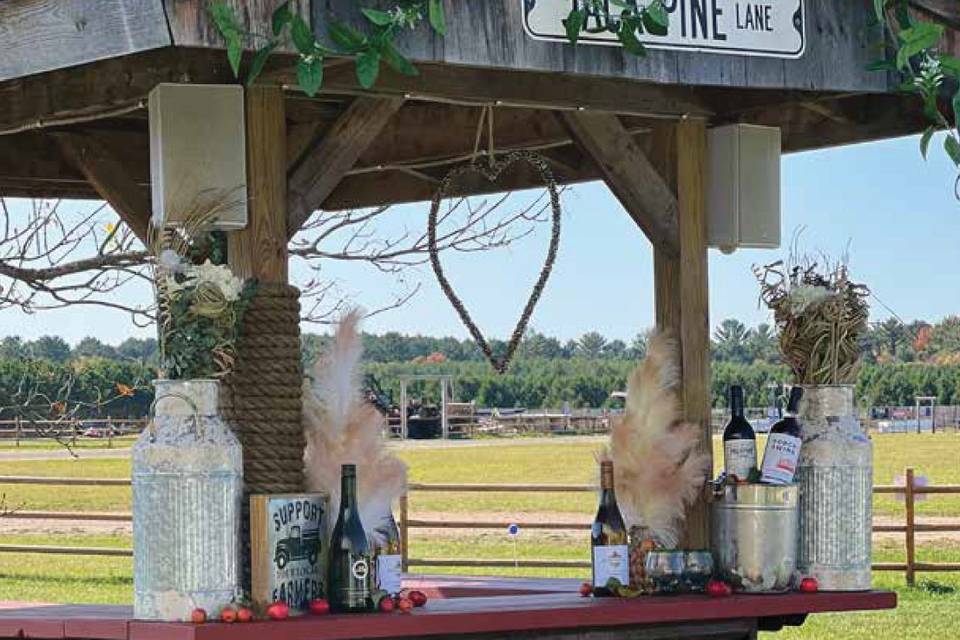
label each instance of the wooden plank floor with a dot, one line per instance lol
(457, 606)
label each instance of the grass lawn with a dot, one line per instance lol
(120, 442)
(925, 612)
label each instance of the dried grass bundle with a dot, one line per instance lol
(342, 427)
(657, 460)
(821, 316)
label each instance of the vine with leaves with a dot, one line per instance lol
(926, 71)
(377, 43)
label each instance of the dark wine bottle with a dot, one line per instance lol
(739, 440)
(349, 576)
(608, 538)
(388, 557)
(782, 452)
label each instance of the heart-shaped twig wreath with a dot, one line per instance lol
(492, 173)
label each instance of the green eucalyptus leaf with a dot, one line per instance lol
(917, 39)
(303, 38)
(377, 17)
(345, 36)
(310, 75)
(882, 65)
(950, 65)
(438, 19)
(657, 14)
(878, 7)
(397, 61)
(260, 59)
(628, 39)
(235, 54)
(573, 24)
(368, 67)
(281, 17)
(925, 141)
(652, 26)
(225, 19)
(952, 147)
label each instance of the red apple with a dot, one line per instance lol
(198, 616)
(319, 607)
(808, 585)
(244, 614)
(228, 614)
(418, 598)
(719, 589)
(278, 611)
(586, 589)
(405, 605)
(386, 605)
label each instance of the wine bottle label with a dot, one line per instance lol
(388, 573)
(780, 458)
(739, 457)
(610, 561)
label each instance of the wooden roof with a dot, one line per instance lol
(74, 77)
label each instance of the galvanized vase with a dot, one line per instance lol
(187, 494)
(835, 473)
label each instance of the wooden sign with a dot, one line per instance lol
(772, 28)
(286, 549)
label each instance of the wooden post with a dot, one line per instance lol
(691, 149)
(910, 534)
(404, 532)
(17, 426)
(260, 250)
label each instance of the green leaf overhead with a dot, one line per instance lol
(310, 75)
(346, 37)
(925, 141)
(573, 24)
(302, 35)
(368, 67)
(952, 148)
(235, 54)
(397, 61)
(260, 59)
(377, 17)
(437, 18)
(281, 18)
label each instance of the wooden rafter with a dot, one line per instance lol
(629, 174)
(110, 178)
(946, 11)
(322, 169)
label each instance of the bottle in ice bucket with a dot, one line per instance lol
(608, 538)
(739, 441)
(350, 574)
(783, 445)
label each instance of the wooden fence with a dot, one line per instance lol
(103, 429)
(910, 528)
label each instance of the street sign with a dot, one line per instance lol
(770, 28)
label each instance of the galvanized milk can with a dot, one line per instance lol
(187, 492)
(754, 536)
(835, 473)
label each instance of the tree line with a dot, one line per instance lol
(92, 378)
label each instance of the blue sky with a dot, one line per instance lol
(897, 213)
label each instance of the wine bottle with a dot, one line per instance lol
(608, 537)
(783, 445)
(739, 441)
(349, 577)
(388, 557)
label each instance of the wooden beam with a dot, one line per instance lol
(319, 173)
(662, 151)
(260, 250)
(41, 35)
(694, 300)
(944, 11)
(629, 174)
(110, 178)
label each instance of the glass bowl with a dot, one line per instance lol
(677, 571)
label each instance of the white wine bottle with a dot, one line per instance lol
(608, 538)
(388, 557)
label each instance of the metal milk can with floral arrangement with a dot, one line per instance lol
(187, 464)
(821, 316)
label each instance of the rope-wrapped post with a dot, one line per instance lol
(262, 400)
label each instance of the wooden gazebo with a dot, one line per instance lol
(74, 81)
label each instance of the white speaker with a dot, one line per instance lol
(198, 152)
(743, 187)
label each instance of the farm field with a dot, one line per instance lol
(925, 611)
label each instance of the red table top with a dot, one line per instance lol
(457, 605)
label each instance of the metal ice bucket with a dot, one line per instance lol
(754, 536)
